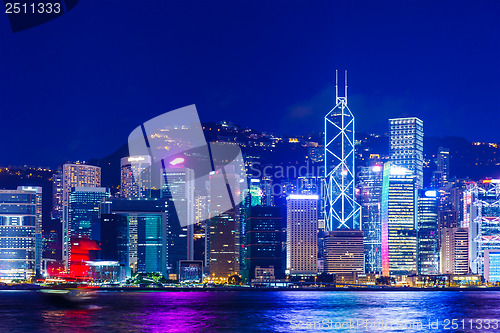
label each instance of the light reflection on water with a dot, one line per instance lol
(248, 311)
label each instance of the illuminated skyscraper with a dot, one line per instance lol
(302, 234)
(492, 265)
(20, 233)
(427, 232)
(140, 237)
(406, 146)
(135, 176)
(341, 211)
(370, 198)
(75, 175)
(83, 212)
(399, 201)
(344, 252)
(224, 227)
(454, 251)
(482, 217)
(57, 193)
(178, 188)
(267, 191)
(441, 176)
(263, 240)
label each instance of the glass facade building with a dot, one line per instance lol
(83, 211)
(263, 240)
(20, 233)
(177, 187)
(492, 265)
(153, 246)
(399, 201)
(427, 232)
(370, 199)
(482, 217)
(406, 146)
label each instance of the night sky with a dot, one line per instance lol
(74, 88)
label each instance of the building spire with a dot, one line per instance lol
(337, 97)
(336, 85)
(345, 85)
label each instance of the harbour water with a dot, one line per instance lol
(257, 311)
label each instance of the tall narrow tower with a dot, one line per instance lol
(341, 211)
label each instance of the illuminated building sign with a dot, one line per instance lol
(177, 161)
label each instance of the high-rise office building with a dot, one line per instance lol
(115, 240)
(177, 187)
(454, 251)
(492, 265)
(406, 146)
(440, 177)
(57, 193)
(399, 243)
(153, 246)
(75, 175)
(83, 214)
(341, 211)
(482, 216)
(344, 253)
(427, 232)
(135, 176)
(253, 196)
(302, 234)
(20, 233)
(83, 211)
(263, 240)
(267, 191)
(224, 227)
(370, 199)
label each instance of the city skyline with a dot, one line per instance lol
(198, 166)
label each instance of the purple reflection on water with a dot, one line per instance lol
(245, 311)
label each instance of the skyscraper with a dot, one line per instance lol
(152, 245)
(341, 211)
(427, 232)
(454, 251)
(83, 218)
(302, 234)
(20, 233)
(492, 265)
(224, 227)
(344, 252)
(75, 175)
(177, 187)
(399, 243)
(482, 217)
(135, 176)
(263, 240)
(83, 212)
(370, 198)
(57, 193)
(406, 146)
(441, 176)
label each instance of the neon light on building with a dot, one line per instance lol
(341, 211)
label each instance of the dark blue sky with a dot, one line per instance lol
(75, 87)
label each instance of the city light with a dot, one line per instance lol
(303, 196)
(176, 161)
